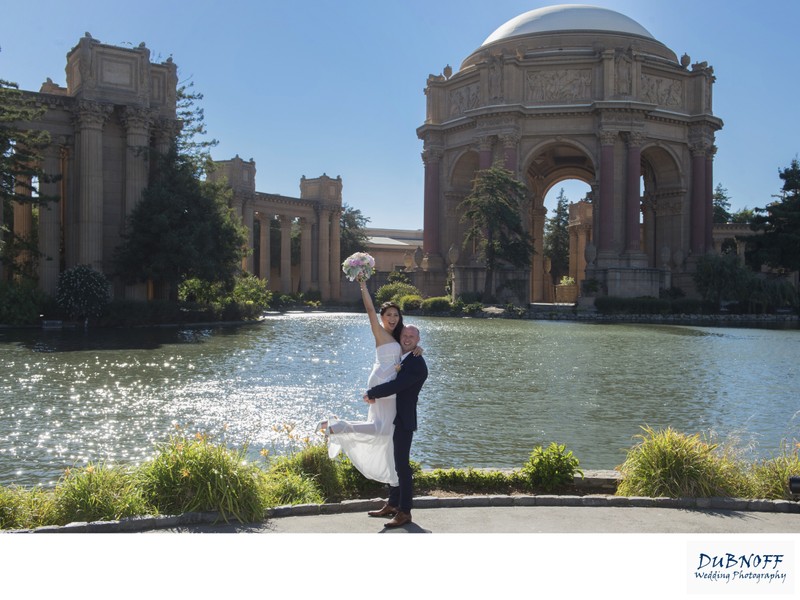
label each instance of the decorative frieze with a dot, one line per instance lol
(663, 91)
(568, 85)
(464, 98)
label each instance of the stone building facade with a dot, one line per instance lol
(117, 105)
(575, 92)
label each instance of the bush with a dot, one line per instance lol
(97, 493)
(82, 292)
(290, 488)
(411, 302)
(551, 468)
(190, 475)
(22, 508)
(439, 304)
(21, 303)
(392, 292)
(251, 290)
(770, 478)
(676, 465)
(311, 462)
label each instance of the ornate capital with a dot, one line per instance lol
(136, 118)
(92, 114)
(635, 139)
(432, 154)
(608, 137)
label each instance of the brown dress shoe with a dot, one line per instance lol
(386, 511)
(401, 518)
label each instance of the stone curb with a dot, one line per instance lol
(135, 524)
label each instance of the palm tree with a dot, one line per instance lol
(494, 211)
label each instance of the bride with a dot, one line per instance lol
(368, 444)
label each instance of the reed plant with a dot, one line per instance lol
(285, 488)
(194, 474)
(26, 508)
(671, 464)
(97, 493)
(311, 462)
(769, 478)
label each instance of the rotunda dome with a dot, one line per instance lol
(567, 17)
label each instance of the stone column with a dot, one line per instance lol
(324, 254)
(23, 217)
(286, 254)
(605, 203)
(91, 117)
(305, 254)
(698, 212)
(335, 258)
(247, 221)
(430, 236)
(50, 223)
(510, 142)
(632, 198)
(264, 241)
(485, 152)
(137, 124)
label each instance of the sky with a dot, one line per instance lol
(313, 87)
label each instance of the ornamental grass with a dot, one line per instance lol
(769, 478)
(195, 475)
(671, 464)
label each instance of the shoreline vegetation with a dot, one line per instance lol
(194, 474)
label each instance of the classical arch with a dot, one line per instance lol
(576, 92)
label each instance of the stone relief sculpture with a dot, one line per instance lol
(464, 99)
(562, 86)
(496, 78)
(623, 74)
(661, 90)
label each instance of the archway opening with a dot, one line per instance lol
(557, 247)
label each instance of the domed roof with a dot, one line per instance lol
(567, 17)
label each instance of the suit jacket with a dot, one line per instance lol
(406, 386)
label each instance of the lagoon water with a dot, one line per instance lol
(497, 388)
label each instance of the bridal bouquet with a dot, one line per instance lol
(359, 266)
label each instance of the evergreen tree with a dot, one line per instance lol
(494, 212)
(354, 237)
(778, 246)
(556, 238)
(20, 171)
(722, 205)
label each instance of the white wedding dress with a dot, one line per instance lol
(368, 444)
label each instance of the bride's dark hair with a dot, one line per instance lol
(399, 327)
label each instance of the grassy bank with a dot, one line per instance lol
(193, 473)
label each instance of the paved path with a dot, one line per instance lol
(527, 519)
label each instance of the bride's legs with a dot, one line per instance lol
(366, 427)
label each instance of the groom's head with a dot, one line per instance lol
(409, 338)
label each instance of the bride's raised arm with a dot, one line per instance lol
(381, 335)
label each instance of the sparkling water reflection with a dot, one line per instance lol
(497, 388)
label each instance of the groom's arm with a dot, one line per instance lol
(413, 372)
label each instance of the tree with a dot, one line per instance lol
(556, 238)
(189, 141)
(494, 212)
(743, 216)
(778, 246)
(722, 205)
(182, 227)
(354, 237)
(20, 170)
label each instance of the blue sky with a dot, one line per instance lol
(306, 88)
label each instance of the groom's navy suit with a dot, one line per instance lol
(406, 386)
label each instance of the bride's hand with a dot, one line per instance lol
(418, 351)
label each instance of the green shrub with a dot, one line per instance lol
(394, 291)
(290, 488)
(551, 468)
(671, 464)
(97, 493)
(473, 309)
(411, 302)
(312, 462)
(438, 304)
(21, 303)
(353, 483)
(22, 508)
(251, 290)
(82, 292)
(769, 478)
(465, 481)
(189, 475)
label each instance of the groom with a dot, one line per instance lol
(412, 374)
